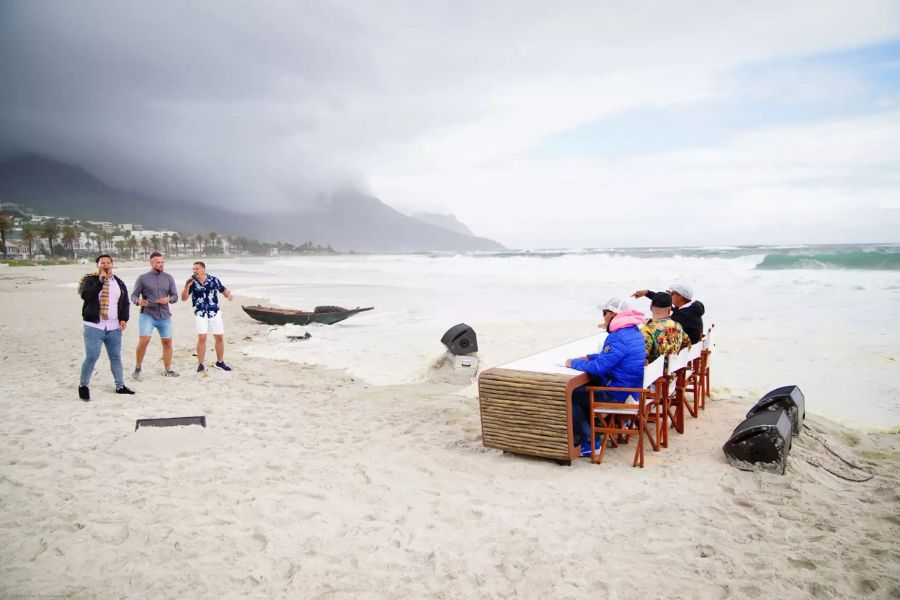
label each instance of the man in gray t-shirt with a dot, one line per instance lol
(154, 291)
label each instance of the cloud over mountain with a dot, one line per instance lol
(515, 115)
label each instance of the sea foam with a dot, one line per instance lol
(832, 331)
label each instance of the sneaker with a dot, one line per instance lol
(137, 374)
(221, 365)
(124, 390)
(170, 373)
(84, 392)
(586, 448)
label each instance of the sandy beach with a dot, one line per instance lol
(311, 483)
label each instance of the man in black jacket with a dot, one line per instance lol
(686, 311)
(105, 316)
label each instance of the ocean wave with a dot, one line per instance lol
(878, 257)
(858, 259)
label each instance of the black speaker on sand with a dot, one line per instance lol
(460, 339)
(788, 398)
(762, 441)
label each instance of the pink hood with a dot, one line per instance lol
(626, 318)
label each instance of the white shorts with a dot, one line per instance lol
(213, 325)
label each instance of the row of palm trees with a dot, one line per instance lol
(179, 242)
(34, 234)
(62, 239)
(67, 234)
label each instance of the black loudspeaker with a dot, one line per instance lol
(460, 339)
(790, 399)
(762, 441)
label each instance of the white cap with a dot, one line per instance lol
(683, 289)
(614, 304)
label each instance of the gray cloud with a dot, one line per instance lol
(189, 101)
(432, 106)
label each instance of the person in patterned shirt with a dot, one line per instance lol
(204, 291)
(662, 335)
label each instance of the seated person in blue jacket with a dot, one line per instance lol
(620, 363)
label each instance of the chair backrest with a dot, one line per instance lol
(694, 352)
(653, 371)
(678, 361)
(707, 339)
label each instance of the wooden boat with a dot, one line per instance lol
(327, 315)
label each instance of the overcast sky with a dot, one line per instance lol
(538, 124)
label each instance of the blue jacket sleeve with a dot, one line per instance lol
(600, 364)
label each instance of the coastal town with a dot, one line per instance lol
(26, 236)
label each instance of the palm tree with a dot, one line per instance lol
(132, 244)
(120, 247)
(107, 237)
(69, 237)
(199, 239)
(175, 238)
(29, 236)
(145, 245)
(213, 236)
(154, 241)
(50, 231)
(6, 226)
(165, 241)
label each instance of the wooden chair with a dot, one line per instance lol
(704, 365)
(694, 381)
(673, 394)
(631, 417)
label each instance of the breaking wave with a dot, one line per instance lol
(872, 260)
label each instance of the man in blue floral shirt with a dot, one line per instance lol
(204, 291)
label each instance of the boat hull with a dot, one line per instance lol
(280, 316)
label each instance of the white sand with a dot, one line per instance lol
(308, 484)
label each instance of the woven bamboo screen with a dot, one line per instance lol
(525, 412)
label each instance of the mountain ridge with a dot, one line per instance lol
(446, 221)
(348, 220)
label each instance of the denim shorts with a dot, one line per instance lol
(147, 323)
